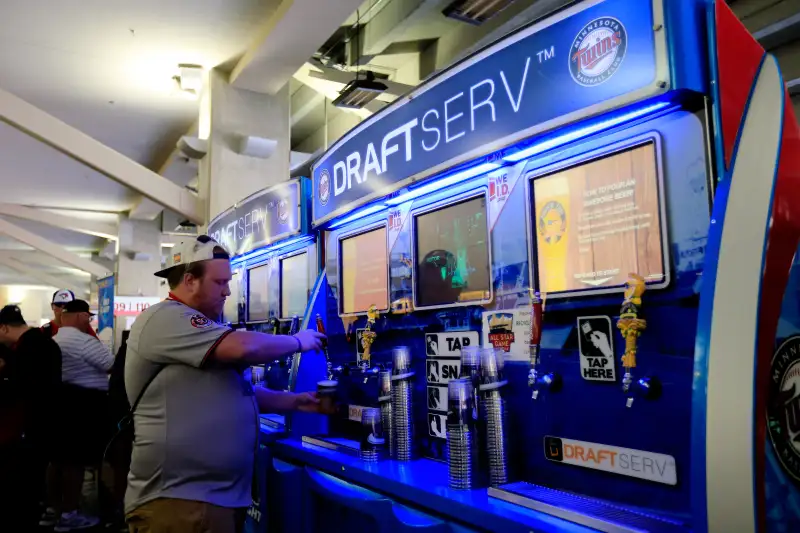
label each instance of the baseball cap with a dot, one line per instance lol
(63, 296)
(11, 314)
(203, 248)
(77, 306)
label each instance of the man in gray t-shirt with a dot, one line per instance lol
(196, 426)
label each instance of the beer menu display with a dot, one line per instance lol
(257, 286)
(452, 251)
(598, 221)
(365, 271)
(294, 285)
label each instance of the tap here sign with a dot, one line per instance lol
(640, 464)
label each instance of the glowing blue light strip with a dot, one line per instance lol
(583, 132)
(444, 182)
(371, 210)
(272, 248)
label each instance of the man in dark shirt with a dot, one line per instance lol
(33, 372)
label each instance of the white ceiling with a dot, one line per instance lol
(106, 68)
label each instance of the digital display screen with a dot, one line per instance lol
(598, 221)
(258, 289)
(452, 252)
(294, 285)
(230, 313)
(365, 271)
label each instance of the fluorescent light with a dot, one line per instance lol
(359, 93)
(443, 183)
(475, 11)
(371, 210)
(582, 132)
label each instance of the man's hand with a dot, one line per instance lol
(306, 402)
(309, 340)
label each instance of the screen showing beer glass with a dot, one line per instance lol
(365, 271)
(257, 287)
(452, 254)
(294, 285)
(598, 221)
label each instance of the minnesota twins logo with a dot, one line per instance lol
(783, 409)
(552, 222)
(200, 322)
(283, 211)
(324, 187)
(598, 50)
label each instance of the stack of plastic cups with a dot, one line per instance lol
(372, 439)
(460, 434)
(495, 413)
(385, 401)
(402, 408)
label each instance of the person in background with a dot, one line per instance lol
(196, 426)
(85, 363)
(31, 376)
(60, 299)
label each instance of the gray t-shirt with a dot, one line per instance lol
(197, 424)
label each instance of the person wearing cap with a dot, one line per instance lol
(60, 299)
(32, 371)
(196, 426)
(85, 364)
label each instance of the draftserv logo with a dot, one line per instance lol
(640, 464)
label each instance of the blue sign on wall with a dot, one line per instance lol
(582, 61)
(267, 216)
(105, 298)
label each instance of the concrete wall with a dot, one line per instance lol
(337, 126)
(227, 177)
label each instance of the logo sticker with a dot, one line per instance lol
(783, 407)
(176, 258)
(200, 322)
(552, 222)
(324, 187)
(501, 330)
(283, 211)
(597, 52)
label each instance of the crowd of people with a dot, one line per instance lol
(175, 398)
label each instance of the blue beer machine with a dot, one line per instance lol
(642, 150)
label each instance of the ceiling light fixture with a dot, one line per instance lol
(475, 11)
(189, 80)
(358, 93)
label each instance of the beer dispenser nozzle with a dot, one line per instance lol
(328, 363)
(537, 311)
(631, 325)
(367, 338)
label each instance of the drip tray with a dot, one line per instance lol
(337, 444)
(586, 511)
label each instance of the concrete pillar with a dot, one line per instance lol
(236, 115)
(138, 258)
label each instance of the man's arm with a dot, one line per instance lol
(96, 354)
(270, 401)
(258, 348)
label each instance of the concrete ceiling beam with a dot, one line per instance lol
(40, 276)
(97, 156)
(302, 104)
(89, 227)
(52, 249)
(284, 43)
(779, 33)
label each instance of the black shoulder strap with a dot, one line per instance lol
(144, 389)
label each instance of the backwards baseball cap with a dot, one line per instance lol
(11, 314)
(77, 306)
(63, 296)
(203, 248)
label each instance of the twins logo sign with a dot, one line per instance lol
(324, 187)
(783, 409)
(597, 52)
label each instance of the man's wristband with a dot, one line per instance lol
(299, 346)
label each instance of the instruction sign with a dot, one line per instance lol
(596, 346)
(441, 371)
(437, 399)
(437, 425)
(449, 344)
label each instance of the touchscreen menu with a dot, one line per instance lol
(365, 271)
